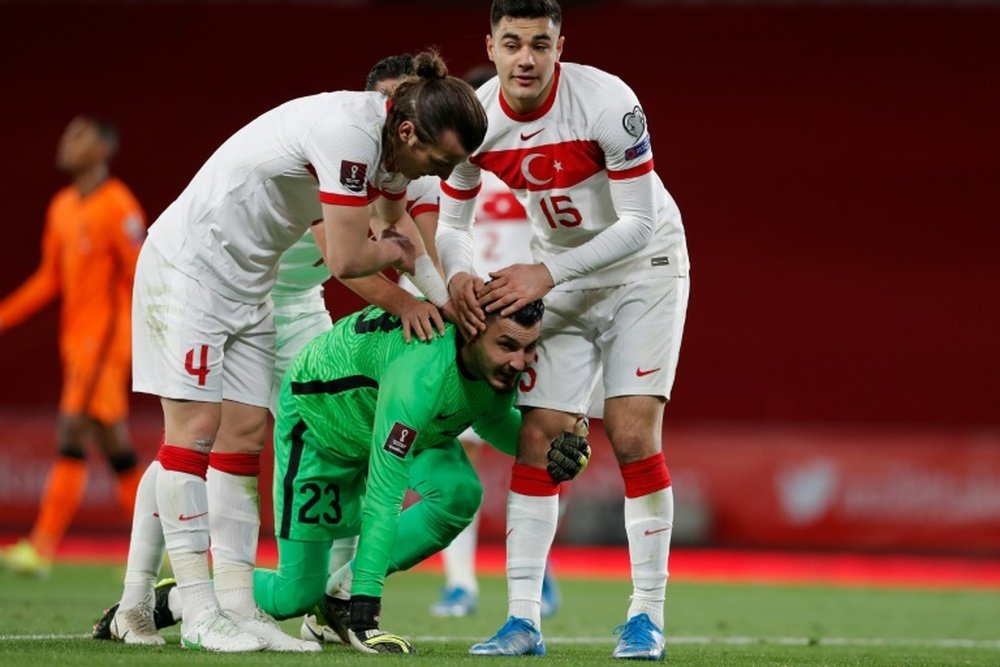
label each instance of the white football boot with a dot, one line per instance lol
(262, 625)
(135, 625)
(214, 630)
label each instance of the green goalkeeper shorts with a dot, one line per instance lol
(317, 495)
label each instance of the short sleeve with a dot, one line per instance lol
(424, 196)
(344, 157)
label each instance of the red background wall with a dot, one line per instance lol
(837, 169)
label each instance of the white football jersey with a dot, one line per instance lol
(579, 164)
(262, 189)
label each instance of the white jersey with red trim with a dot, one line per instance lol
(502, 231)
(262, 189)
(423, 195)
(582, 167)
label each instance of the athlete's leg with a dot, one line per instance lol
(532, 511)
(296, 586)
(634, 425)
(65, 485)
(554, 394)
(450, 495)
(114, 440)
(182, 497)
(641, 347)
(234, 519)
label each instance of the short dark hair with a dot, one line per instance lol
(391, 67)
(525, 9)
(435, 103)
(107, 131)
(527, 316)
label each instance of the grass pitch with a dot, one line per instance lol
(47, 623)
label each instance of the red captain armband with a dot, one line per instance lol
(463, 195)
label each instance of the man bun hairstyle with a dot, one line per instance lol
(525, 9)
(435, 103)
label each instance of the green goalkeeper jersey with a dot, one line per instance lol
(374, 400)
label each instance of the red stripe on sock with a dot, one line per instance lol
(180, 459)
(645, 476)
(530, 481)
(245, 465)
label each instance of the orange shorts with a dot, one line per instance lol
(99, 390)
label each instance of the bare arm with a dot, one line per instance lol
(350, 254)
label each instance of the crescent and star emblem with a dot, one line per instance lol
(526, 170)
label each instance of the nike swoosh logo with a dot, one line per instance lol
(189, 518)
(639, 373)
(509, 532)
(448, 416)
(654, 532)
(525, 137)
(317, 635)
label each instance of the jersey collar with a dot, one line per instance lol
(540, 111)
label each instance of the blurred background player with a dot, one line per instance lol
(93, 231)
(611, 262)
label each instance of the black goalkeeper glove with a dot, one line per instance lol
(569, 454)
(364, 632)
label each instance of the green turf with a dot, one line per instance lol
(710, 624)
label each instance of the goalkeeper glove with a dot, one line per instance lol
(363, 628)
(569, 453)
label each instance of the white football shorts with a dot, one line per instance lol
(630, 333)
(190, 343)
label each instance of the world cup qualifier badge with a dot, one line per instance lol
(400, 440)
(352, 175)
(635, 122)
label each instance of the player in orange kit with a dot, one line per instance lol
(93, 230)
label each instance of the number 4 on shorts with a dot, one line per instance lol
(201, 370)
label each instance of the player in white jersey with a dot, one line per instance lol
(203, 328)
(610, 259)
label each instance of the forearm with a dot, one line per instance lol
(625, 237)
(28, 299)
(368, 258)
(379, 290)
(456, 249)
(634, 202)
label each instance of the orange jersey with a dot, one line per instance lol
(89, 250)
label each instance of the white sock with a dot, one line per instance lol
(648, 523)
(175, 603)
(145, 548)
(531, 527)
(338, 584)
(235, 527)
(342, 552)
(460, 559)
(182, 500)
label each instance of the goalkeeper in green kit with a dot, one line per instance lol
(362, 415)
